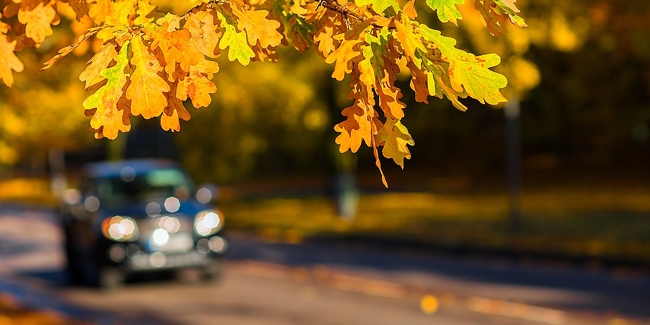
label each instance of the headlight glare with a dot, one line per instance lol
(208, 222)
(120, 228)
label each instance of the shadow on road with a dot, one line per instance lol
(564, 286)
(30, 294)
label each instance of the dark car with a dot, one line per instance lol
(139, 216)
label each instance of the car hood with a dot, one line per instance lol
(138, 210)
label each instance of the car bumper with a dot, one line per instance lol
(160, 261)
(136, 258)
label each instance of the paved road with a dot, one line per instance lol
(275, 283)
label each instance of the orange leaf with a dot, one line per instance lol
(197, 85)
(389, 100)
(169, 120)
(419, 83)
(343, 56)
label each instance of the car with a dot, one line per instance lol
(137, 216)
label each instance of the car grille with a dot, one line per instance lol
(177, 235)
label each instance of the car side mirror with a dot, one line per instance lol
(207, 193)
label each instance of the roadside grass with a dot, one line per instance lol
(607, 225)
(26, 190)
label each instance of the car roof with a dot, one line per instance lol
(113, 168)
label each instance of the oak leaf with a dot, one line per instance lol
(235, 42)
(66, 50)
(258, 27)
(174, 47)
(80, 7)
(468, 72)
(379, 5)
(169, 120)
(98, 63)
(8, 60)
(110, 112)
(446, 10)
(409, 40)
(205, 34)
(100, 10)
(37, 21)
(198, 85)
(347, 51)
(395, 138)
(147, 86)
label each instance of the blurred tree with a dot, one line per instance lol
(38, 113)
(280, 121)
(150, 62)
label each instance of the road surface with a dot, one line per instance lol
(276, 283)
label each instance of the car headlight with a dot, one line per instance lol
(208, 222)
(120, 228)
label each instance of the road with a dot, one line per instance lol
(324, 283)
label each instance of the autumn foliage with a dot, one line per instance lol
(150, 62)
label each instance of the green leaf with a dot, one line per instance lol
(518, 21)
(115, 76)
(468, 72)
(236, 42)
(508, 6)
(374, 54)
(446, 10)
(379, 5)
(108, 118)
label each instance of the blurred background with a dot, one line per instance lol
(579, 146)
(559, 174)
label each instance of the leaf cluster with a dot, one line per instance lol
(149, 62)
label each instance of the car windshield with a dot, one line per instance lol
(145, 186)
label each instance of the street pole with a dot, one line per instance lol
(513, 161)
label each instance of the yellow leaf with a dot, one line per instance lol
(144, 9)
(8, 61)
(37, 21)
(205, 34)
(110, 113)
(147, 87)
(409, 40)
(257, 27)
(395, 138)
(92, 74)
(100, 10)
